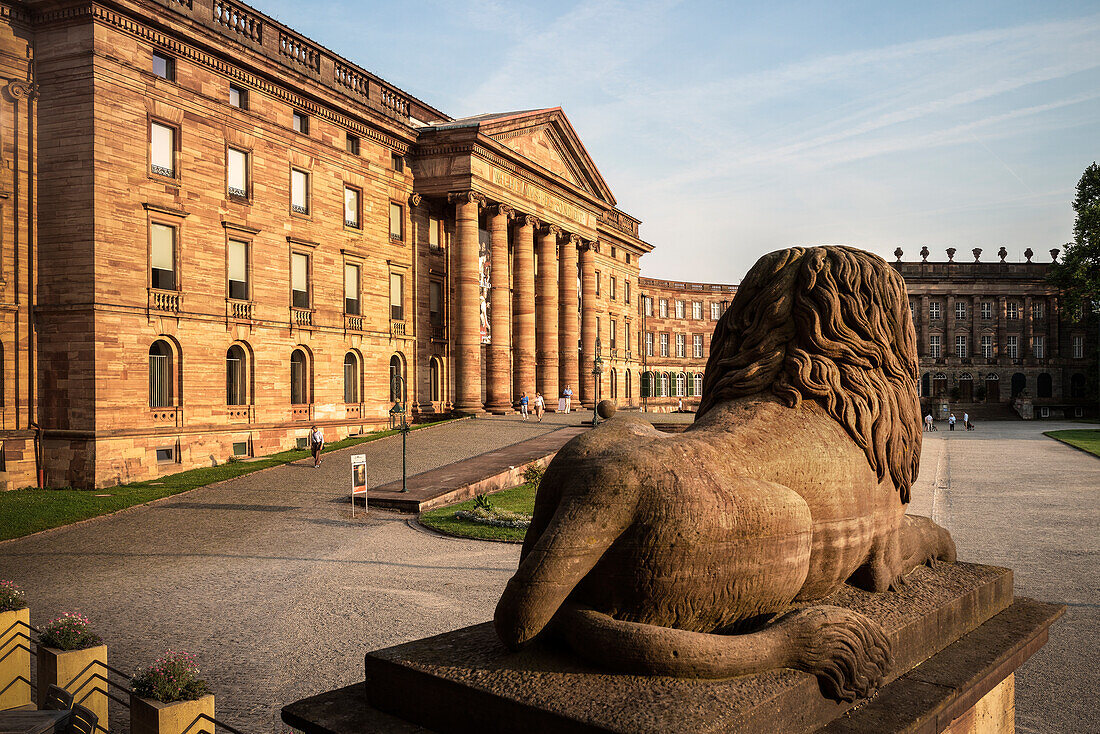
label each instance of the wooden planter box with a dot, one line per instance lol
(82, 673)
(15, 659)
(154, 717)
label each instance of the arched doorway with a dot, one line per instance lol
(351, 377)
(992, 388)
(629, 394)
(1019, 384)
(1044, 386)
(924, 387)
(299, 378)
(1077, 386)
(160, 374)
(939, 385)
(435, 379)
(236, 376)
(966, 387)
(614, 377)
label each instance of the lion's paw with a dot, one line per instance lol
(848, 652)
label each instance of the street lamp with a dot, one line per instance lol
(397, 393)
(597, 370)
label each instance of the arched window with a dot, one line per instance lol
(435, 378)
(351, 377)
(1077, 386)
(299, 378)
(1019, 383)
(646, 386)
(236, 376)
(614, 384)
(160, 374)
(992, 388)
(664, 385)
(1044, 386)
(698, 380)
(966, 387)
(939, 385)
(629, 394)
(681, 384)
(397, 387)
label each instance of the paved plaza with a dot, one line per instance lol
(279, 592)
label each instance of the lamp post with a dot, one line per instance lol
(597, 369)
(397, 393)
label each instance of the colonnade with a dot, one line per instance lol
(535, 327)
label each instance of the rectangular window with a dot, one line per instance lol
(987, 309)
(1039, 347)
(162, 258)
(597, 282)
(1012, 348)
(240, 448)
(648, 303)
(434, 241)
(960, 310)
(987, 346)
(1038, 310)
(166, 455)
(696, 309)
(679, 309)
(612, 288)
(612, 334)
(162, 149)
(164, 66)
(299, 280)
(626, 337)
(299, 191)
(1078, 347)
(300, 123)
(351, 144)
(397, 300)
(435, 303)
(934, 346)
(238, 270)
(397, 162)
(662, 308)
(960, 346)
(238, 97)
(352, 207)
(697, 346)
(649, 344)
(1013, 311)
(351, 289)
(626, 291)
(680, 345)
(664, 345)
(397, 222)
(237, 173)
(715, 311)
(934, 310)
(613, 253)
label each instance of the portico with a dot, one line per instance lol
(531, 215)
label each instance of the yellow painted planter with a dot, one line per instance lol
(15, 659)
(154, 717)
(80, 672)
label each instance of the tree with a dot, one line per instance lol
(1078, 274)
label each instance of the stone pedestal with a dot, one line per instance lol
(15, 659)
(179, 717)
(957, 634)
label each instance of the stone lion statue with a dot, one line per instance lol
(681, 554)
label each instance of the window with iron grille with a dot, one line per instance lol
(299, 191)
(237, 173)
(162, 149)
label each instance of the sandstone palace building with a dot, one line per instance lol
(216, 233)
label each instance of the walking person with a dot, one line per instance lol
(316, 443)
(966, 421)
(928, 422)
(523, 406)
(567, 393)
(951, 421)
(540, 406)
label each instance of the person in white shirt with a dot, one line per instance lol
(540, 406)
(567, 393)
(316, 443)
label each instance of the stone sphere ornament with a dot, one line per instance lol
(605, 409)
(682, 553)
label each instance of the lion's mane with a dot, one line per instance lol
(829, 324)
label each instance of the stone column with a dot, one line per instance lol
(569, 318)
(466, 312)
(1054, 349)
(499, 373)
(976, 333)
(523, 308)
(546, 314)
(588, 325)
(1027, 349)
(926, 331)
(1002, 331)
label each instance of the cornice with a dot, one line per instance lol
(151, 207)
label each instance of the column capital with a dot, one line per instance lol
(501, 210)
(466, 197)
(575, 240)
(415, 199)
(528, 220)
(551, 229)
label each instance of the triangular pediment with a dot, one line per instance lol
(546, 138)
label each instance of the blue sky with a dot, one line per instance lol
(734, 129)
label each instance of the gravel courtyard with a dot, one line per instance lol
(278, 592)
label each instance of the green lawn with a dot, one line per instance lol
(516, 499)
(1084, 439)
(26, 511)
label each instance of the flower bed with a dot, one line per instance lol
(69, 632)
(495, 518)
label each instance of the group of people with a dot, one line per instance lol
(929, 425)
(564, 404)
